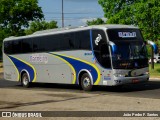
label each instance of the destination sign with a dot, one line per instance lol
(124, 34)
(127, 34)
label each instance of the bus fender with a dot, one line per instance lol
(86, 71)
(24, 71)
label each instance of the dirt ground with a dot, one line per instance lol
(69, 98)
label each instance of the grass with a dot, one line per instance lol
(156, 71)
(1, 67)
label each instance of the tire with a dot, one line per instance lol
(25, 80)
(86, 83)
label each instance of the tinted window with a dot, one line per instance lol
(101, 49)
(27, 45)
(66, 41)
(83, 40)
(52, 42)
(12, 47)
(39, 44)
(16, 46)
(8, 47)
(72, 41)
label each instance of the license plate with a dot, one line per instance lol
(135, 81)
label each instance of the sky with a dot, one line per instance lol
(76, 12)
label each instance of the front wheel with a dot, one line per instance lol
(25, 80)
(86, 83)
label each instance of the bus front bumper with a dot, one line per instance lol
(128, 80)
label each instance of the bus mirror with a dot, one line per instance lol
(113, 47)
(153, 45)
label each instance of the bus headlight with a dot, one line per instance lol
(146, 73)
(119, 75)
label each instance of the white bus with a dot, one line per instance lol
(109, 55)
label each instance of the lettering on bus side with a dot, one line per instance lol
(8, 76)
(107, 78)
(38, 58)
(88, 53)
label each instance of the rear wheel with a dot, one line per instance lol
(86, 83)
(25, 80)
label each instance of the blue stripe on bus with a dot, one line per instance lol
(20, 65)
(79, 65)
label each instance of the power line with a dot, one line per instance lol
(70, 13)
(76, 17)
(70, 19)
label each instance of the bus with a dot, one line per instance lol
(109, 55)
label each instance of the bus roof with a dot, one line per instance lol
(70, 29)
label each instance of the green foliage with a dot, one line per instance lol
(149, 50)
(98, 21)
(37, 26)
(156, 71)
(3, 34)
(16, 14)
(142, 13)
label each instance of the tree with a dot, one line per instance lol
(15, 15)
(98, 21)
(37, 26)
(3, 34)
(142, 13)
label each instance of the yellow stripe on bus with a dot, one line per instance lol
(35, 76)
(91, 64)
(18, 76)
(72, 68)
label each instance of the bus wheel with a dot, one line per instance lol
(86, 83)
(25, 80)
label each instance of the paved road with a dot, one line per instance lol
(55, 97)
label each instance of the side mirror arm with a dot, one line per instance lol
(155, 48)
(113, 46)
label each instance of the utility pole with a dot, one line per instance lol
(62, 15)
(152, 58)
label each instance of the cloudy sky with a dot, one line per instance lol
(76, 12)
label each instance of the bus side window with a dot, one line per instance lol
(52, 42)
(8, 47)
(12, 47)
(85, 40)
(100, 48)
(72, 42)
(67, 42)
(105, 56)
(82, 39)
(26, 45)
(16, 46)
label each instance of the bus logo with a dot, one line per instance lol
(38, 58)
(98, 39)
(6, 114)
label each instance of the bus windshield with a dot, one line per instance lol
(130, 51)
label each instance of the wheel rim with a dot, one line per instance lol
(25, 80)
(86, 82)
